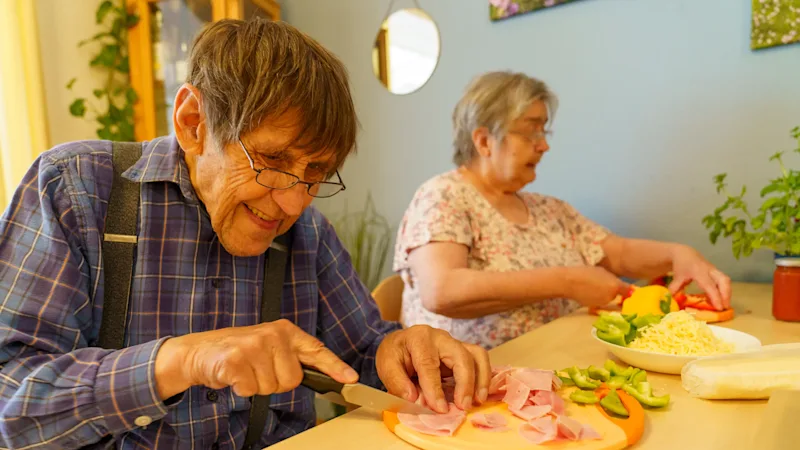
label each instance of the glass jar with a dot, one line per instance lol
(786, 289)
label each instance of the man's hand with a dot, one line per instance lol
(689, 265)
(432, 354)
(260, 359)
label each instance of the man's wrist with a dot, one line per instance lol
(170, 369)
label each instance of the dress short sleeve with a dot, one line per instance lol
(437, 213)
(588, 235)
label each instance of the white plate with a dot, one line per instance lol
(672, 364)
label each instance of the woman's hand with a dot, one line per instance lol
(593, 286)
(689, 265)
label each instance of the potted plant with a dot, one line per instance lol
(774, 225)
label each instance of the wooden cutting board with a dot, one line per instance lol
(617, 433)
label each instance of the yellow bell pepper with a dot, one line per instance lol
(651, 299)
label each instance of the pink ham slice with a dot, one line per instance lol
(516, 394)
(588, 432)
(435, 424)
(550, 398)
(490, 422)
(569, 428)
(529, 413)
(539, 431)
(535, 379)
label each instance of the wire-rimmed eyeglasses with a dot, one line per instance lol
(278, 179)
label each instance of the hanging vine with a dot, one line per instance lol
(112, 105)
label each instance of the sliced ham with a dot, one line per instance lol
(550, 398)
(435, 424)
(531, 412)
(569, 428)
(490, 422)
(498, 381)
(516, 394)
(588, 432)
(539, 431)
(535, 379)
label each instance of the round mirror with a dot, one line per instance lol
(406, 50)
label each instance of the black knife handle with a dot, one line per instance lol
(319, 382)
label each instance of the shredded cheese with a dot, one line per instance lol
(679, 333)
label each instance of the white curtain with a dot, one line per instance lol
(23, 120)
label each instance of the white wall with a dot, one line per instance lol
(62, 24)
(651, 91)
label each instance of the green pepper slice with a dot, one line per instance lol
(614, 335)
(584, 397)
(616, 370)
(643, 394)
(581, 380)
(566, 381)
(637, 377)
(629, 317)
(646, 320)
(607, 320)
(599, 373)
(613, 404)
(616, 382)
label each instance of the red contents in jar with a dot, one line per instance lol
(786, 290)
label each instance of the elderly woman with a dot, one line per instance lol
(486, 261)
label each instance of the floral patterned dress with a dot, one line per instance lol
(447, 208)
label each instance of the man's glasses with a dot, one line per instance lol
(278, 179)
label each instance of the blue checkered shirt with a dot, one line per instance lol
(58, 390)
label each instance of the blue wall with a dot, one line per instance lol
(651, 91)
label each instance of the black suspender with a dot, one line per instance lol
(119, 245)
(119, 258)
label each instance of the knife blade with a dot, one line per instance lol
(360, 394)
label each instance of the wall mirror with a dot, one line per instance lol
(406, 50)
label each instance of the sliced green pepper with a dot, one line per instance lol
(646, 320)
(643, 394)
(637, 377)
(581, 380)
(629, 317)
(599, 373)
(616, 382)
(616, 370)
(585, 397)
(613, 404)
(631, 335)
(566, 381)
(665, 303)
(614, 335)
(611, 319)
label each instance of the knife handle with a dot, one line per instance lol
(319, 382)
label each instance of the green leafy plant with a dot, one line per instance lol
(774, 225)
(112, 106)
(366, 235)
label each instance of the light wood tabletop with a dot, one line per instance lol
(688, 423)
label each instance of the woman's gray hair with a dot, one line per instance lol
(494, 100)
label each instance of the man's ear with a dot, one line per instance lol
(481, 139)
(188, 119)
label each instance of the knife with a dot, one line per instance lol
(359, 394)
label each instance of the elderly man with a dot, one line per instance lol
(262, 125)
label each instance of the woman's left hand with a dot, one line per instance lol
(689, 265)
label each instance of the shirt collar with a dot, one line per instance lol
(163, 160)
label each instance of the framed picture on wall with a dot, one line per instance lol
(503, 9)
(775, 22)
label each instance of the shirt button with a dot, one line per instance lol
(216, 283)
(143, 421)
(212, 396)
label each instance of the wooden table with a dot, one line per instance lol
(688, 423)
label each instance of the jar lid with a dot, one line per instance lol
(788, 262)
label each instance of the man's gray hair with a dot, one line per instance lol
(249, 71)
(494, 100)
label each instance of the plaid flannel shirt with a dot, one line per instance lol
(58, 390)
